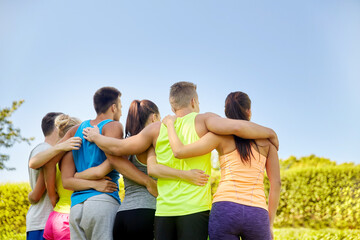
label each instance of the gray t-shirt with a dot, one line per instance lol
(38, 213)
(137, 196)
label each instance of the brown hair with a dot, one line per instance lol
(181, 94)
(236, 105)
(104, 98)
(64, 122)
(47, 123)
(139, 112)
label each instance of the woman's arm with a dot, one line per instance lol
(273, 172)
(194, 176)
(56, 152)
(203, 146)
(241, 128)
(39, 189)
(95, 173)
(77, 184)
(50, 182)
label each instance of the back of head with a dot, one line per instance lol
(237, 106)
(47, 123)
(64, 122)
(104, 98)
(181, 94)
(138, 115)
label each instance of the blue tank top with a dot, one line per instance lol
(89, 155)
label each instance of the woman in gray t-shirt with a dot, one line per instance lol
(135, 216)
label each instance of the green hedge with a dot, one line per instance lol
(13, 208)
(316, 198)
(311, 197)
(311, 234)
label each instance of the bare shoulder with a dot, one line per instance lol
(152, 129)
(114, 129)
(206, 115)
(262, 146)
(72, 131)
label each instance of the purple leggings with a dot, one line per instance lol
(229, 220)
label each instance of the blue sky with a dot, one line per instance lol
(299, 61)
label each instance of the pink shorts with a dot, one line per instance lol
(57, 226)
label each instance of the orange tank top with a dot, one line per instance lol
(242, 183)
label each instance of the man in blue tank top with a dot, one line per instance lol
(92, 212)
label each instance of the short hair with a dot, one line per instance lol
(104, 98)
(181, 94)
(47, 123)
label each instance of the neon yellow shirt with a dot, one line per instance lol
(177, 197)
(63, 205)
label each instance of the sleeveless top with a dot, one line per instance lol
(178, 197)
(89, 155)
(64, 203)
(242, 183)
(137, 196)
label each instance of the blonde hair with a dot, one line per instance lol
(181, 94)
(64, 122)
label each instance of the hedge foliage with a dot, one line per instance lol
(13, 208)
(313, 197)
(14, 205)
(311, 234)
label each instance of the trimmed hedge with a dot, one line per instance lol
(13, 208)
(311, 234)
(316, 198)
(311, 197)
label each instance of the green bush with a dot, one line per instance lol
(13, 208)
(314, 197)
(310, 234)
(14, 205)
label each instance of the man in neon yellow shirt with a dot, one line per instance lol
(182, 209)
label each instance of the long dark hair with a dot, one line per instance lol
(236, 106)
(139, 112)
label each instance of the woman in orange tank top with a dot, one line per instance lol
(239, 205)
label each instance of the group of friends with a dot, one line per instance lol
(166, 166)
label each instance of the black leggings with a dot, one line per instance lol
(193, 226)
(134, 224)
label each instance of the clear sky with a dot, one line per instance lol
(299, 61)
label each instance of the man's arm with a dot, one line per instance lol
(68, 170)
(39, 189)
(123, 165)
(241, 128)
(117, 146)
(67, 143)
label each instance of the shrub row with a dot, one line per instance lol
(327, 197)
(14, 206)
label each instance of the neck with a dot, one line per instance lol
(183, 112)
(101, 117)
(52, 139)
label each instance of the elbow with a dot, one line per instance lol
(66, 184)
(276, 184)
(33, 165)
(150, 170)
(178, 154)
